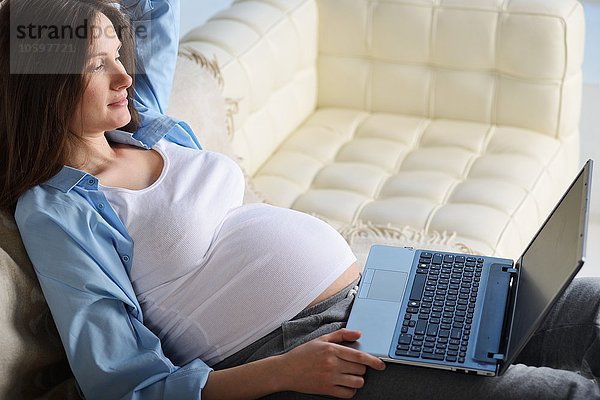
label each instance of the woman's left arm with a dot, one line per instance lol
(155, 25)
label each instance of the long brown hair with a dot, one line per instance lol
(39, 90)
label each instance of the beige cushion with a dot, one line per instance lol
(32, 360)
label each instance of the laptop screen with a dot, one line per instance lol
(553, 257)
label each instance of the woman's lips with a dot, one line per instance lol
(120, 103)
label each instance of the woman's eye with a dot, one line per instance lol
(98, 68)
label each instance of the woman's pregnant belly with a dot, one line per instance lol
(264, 266)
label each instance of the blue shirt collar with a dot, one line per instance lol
(66, 179)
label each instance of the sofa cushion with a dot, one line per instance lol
(32, 360)
(492, 184)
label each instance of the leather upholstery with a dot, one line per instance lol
(458, 115)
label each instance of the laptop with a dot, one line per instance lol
(468, 313)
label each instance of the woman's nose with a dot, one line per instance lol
(121, 79)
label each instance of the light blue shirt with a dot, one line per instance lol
(82, 252)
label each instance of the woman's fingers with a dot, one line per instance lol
(341, 335)
(354, 381)
(329, 367)
(360, 357)
(342, 392)
(350, 354)
(352, 368)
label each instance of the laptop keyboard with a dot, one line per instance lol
(438, 316)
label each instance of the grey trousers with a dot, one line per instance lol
(561, 361)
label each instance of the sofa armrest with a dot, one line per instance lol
(266, 51)
(197, 98)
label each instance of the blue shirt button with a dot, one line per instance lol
(91, 181)
(101, 205)
(125, 258)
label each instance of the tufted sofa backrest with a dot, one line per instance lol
(502, 62)
(267, 51)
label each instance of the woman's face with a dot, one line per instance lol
(104, 103)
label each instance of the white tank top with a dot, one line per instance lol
(213, 275)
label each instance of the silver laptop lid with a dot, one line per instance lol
(550, 262)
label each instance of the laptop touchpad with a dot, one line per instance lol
(387, 285)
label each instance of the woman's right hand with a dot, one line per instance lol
(324, 366)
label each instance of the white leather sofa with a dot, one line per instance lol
(445, 115)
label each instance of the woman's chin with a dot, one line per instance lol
(123, 121)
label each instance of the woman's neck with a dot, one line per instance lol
(94, 155)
